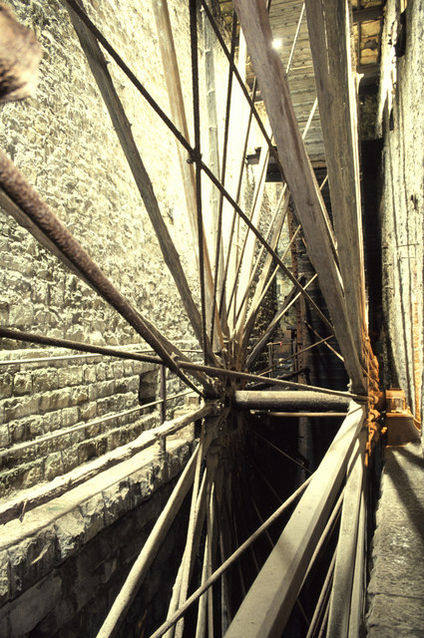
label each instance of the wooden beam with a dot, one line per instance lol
(346, 552)
(299, 175)
(289, 400)
(266, 608)
(330, 35)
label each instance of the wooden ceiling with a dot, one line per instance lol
(284, 17)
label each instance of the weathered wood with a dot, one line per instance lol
(149, 550)
(344, 569)
(329, 32)
(360, 576)
(122, 126)
(230, 560)
(288, 400)
(299, 176)
(268, 604)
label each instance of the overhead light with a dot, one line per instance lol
(277, 43)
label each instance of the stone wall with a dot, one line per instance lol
(401, 112)
(61, 565)
(64, 143)
(57, 414)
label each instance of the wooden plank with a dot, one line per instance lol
(344, 568)
(299, 176)
(329, 29)
(268, 604)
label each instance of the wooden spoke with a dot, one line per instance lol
(219, 246)
(263, 615)
(234, 557)
(150, 548)
(330, 36)
(236, 246)
(299, 176)
(98, 66)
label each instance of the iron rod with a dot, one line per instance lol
(186, 365)
(325, 343)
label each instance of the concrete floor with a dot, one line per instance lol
(396, 588)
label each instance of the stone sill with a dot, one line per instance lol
(52, 532)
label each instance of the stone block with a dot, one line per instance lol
(87, 411)
(44, 380)
(22, 383)
(69, 458)
(4, 577)
(4, 435)
(35, 426)
(70, 417)
(34, 605)
(89, 374)
(70, 376)
(117, 500)
(70, 531)
(53, 466)
(128, 368)
(118, 369)
(101, 372)
(18, 430)
(93, 512)
(404, 612)
(34, 474)
(79, 395)
(31, 560)
(56, 400)
(52, 421)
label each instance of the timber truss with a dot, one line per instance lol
(333, 496)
